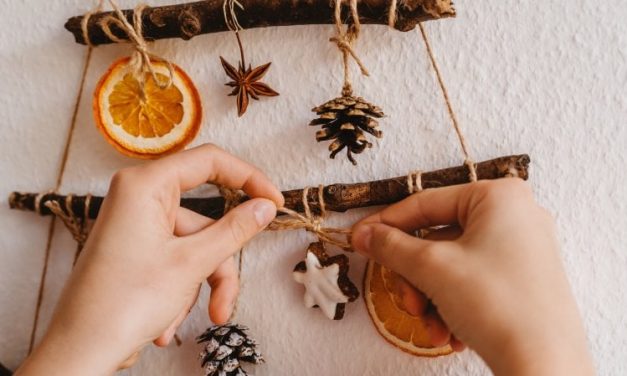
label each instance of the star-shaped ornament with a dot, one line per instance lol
(326, 281)
(247, 83)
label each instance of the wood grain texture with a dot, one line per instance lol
(188, 20)
(337, 197)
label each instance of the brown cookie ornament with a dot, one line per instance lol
(326, 281)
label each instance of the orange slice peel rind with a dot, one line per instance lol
(403, 330)
(150, 123)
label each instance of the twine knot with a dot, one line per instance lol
(142, 59)
(232, 198)
(344, 41)
(307, 221)
(316, 225)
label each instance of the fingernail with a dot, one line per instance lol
(361, 238)
(265, 211)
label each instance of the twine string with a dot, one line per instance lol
(472, 168)
(85, 23)
(312, 223)
(60, 174)
(232, 198)
(38, 199)
(414, 182)
(306, 221)
(79, 227)
(142, 59)
(344, 41)
(392, 13)
(230, 18)
(86, 226)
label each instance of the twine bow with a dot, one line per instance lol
(297, 221)
(312, 223)
(142, 59)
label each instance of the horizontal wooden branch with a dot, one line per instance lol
(337, 197)
(202, 17)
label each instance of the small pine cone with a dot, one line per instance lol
(344, 120)
(225, 347)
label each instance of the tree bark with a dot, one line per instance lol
(337, 197)
(202, 17)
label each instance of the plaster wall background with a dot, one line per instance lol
(548, 79)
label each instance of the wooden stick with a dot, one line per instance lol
(202, 17)
(337, 197)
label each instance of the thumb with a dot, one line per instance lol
(420, 261)
(210, 247)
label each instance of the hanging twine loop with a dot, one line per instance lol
(230, 17)
(344, 41)
(472, 168)
(142, 59)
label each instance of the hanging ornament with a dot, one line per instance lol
(392, 320)
(326, 281)
(225, 348)
(345, 119)
(325, 278)
(228, 345)
(144, 106)
(386, 305)
(246, 81)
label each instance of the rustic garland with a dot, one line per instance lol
(202, 17)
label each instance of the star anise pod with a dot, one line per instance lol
(246, 82)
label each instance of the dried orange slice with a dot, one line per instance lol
(151, 123)
(392, 321)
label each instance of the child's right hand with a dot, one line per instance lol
(494, 274)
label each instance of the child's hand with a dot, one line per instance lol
(494, 275)
(145, 259)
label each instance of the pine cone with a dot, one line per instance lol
(344, 120)
(226, 346)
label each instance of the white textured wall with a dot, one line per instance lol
(547, 78)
